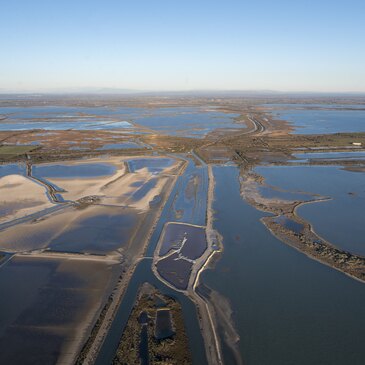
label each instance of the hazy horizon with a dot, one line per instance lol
(161, 46)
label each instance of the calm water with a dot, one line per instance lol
(357, 155)
(180, 121)
(288, 309)
(340, 220)
(192, 122)
(143, 273)
(190, 203)
(154, 165)
(13, 169)
(79, 171)
(322, 121)
(98, 234)
(316, 106)
(268, 192)
(43, 304)
(117, 146)
(290, 224)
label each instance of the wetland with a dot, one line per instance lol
(189, 230)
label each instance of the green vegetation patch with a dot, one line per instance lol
(15, 150)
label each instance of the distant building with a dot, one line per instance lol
(356, 143)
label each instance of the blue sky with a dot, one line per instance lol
(183, 45)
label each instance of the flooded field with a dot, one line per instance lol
(111, 205)
(45, 317)
(74, 171)
(65, 118)
(153, 165)
(350, 155)
(190, 203)
(194, 122)
(14, 168)
(317, 119)
(286, 307)
(117, 146)
(191, 122)
(141, 191)
(21, 196)
(98, 230)
(271, 192)
(344, 210)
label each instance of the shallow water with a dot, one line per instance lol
(270, 193)
(290, 224)
(192, 122)
(98, 234)
(41, 315)
(190, 203)
(144, 189)
(340, 220)
(181, 121)
(321, 121)
(13, 169)
(80, 171)
(288, 309)
(153, 165)
(117, 146)
(143, 273)
(353, 155)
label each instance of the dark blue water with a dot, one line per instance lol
(80, 171)
(340, 220)
(288, 309)
(143, 346)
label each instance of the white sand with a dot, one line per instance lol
(21, 196)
